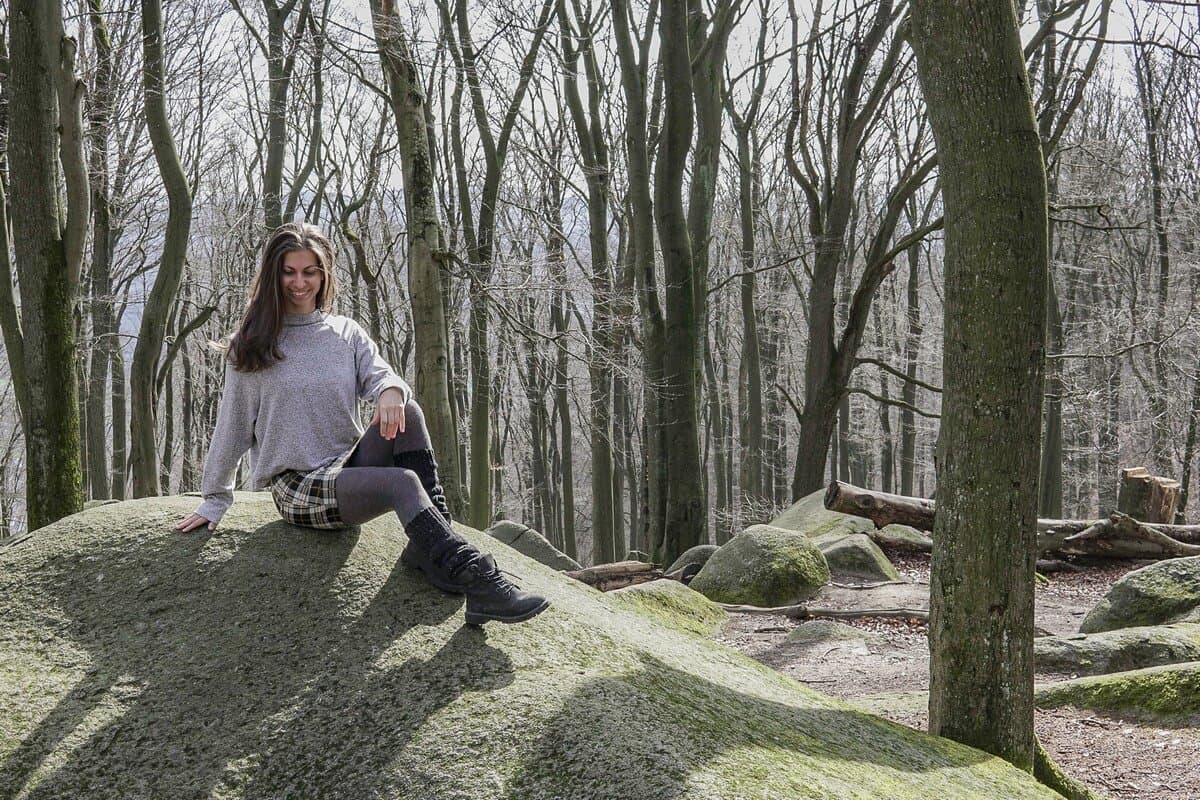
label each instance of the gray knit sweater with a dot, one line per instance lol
(301, 412)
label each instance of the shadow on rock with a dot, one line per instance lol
(252, 662)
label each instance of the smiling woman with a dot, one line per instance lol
(294, 377)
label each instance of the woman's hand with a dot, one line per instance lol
(389, 412)
(193, 521)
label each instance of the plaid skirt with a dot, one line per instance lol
(308, 498)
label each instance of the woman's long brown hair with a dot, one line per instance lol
(255, 346)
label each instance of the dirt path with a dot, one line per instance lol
(885, 669)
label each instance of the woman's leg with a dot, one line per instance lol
(364, 493)
(410, 450)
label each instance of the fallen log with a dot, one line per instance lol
(618, 575)
(1119, 536)
(802, 611)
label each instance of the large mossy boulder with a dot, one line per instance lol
(1165, 591)
(674, 604)
(1171, 690)
(763, 566)
(809, 516)
(856, 557)
(264, 660)
(1118, 651)
(525, 539)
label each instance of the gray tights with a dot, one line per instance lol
(371, 485)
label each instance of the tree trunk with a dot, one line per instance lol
(972, 73)
(46, 98)
(641, 219)
(593, 150)
(426, 248)
(686, 516)
(148, 351)
(120, 450)
(908, 393)
(1147, 498)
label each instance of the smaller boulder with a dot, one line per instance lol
(672, 603)
(1170, 690)
(822, 631)
(692, 559)
(763, 566)
(1165, 591)
(906, 538)
(526, 540)
(856, 557)
(1118, 651)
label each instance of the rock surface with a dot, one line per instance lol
(526, 540)
(856, 557)
(269, 661)
(809, 516)
(820, 631)
(671, 602)
(1118, 651)
(763, 566)
(695, 557)
(1170, 690)
(1165, 591)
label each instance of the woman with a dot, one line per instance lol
(294, 376)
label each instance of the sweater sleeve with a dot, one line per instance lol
(232, 437)
(374, 373)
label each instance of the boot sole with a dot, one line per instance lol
(480, 619)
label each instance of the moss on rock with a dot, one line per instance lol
(855, 556)
(674, 604)
(1118, 651)
(809, 516)
(763, 566)
(1165, 591)
(1172, 690)
(264, 660)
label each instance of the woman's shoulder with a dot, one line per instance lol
(346, 329)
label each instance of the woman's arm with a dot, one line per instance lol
(374, 373)
(232, 437)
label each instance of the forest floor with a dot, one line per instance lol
(1118, 755)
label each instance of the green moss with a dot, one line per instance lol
(1167, 690)
(763, 566)
(672, 603)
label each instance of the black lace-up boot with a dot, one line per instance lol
(453, 564)
(492, 597)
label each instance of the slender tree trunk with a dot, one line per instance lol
(426, 247)
(1050, 500)
(46, 97)
(972, 73)
(908, 394)
(148, 351)
(751, 434)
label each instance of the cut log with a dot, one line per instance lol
(881, 508)
(1119, 536)
(1146, 497)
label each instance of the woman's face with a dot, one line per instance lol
(300, 280)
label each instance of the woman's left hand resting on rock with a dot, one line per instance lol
(389, 412)
(193, 521)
